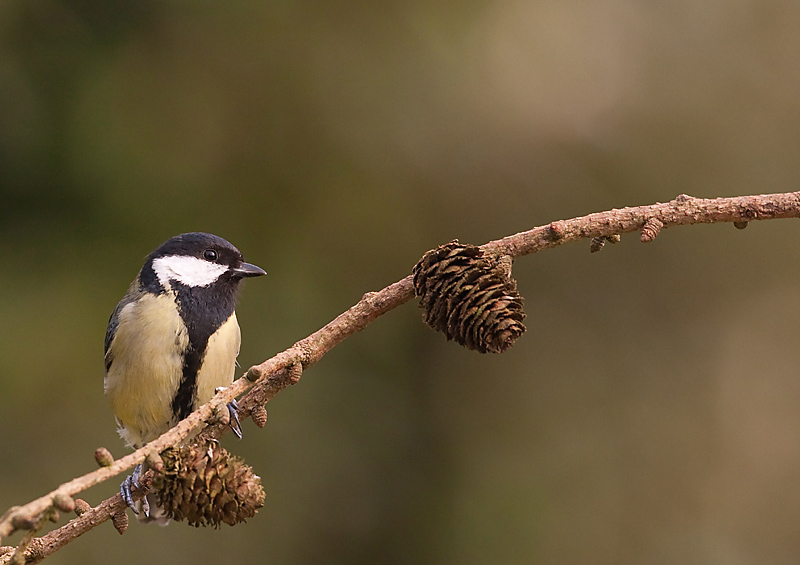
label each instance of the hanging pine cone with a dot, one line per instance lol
(206, 485)
(470, 296)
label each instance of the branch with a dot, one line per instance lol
(264, 381)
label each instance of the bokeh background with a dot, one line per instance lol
(651, 413)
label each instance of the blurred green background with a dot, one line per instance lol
(651, 413)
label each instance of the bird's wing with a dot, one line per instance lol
(113, 323)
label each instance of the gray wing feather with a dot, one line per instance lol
(113, 323)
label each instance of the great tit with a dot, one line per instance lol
(173, 338)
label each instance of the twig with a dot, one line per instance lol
(55, 540)
(276, 373)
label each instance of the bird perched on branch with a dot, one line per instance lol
(173, 340)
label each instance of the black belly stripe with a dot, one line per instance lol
(183, 402)
(203, 310)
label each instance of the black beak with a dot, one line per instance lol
(248, 270)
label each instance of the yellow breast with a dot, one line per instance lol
(219, 361)
(147, 366)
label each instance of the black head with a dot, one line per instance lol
(195, 260)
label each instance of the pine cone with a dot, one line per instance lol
(206, 485)
(470, 296)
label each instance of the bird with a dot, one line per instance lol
(173, 339)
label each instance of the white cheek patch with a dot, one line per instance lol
(190, 271)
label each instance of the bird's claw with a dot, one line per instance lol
(125, 491)
(233, 408)
(130, 483)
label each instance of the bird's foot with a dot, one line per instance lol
(130, 483)
(233, 408)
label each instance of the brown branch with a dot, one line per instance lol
(55, 540)
(274, 374)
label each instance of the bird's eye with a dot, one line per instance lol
(210, 255)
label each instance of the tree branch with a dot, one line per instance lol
(267, 379)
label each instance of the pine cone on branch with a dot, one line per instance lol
(469, 295)
(207, 486)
